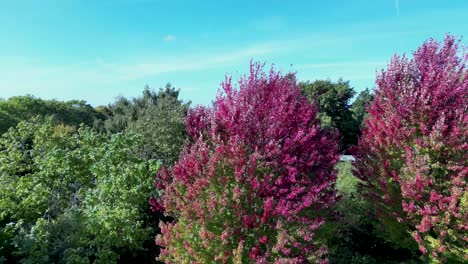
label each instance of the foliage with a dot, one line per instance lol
(413, 152)
(251, 185)
(359, 108)
(157, 116)
(72, 196)
(22, 108)
(352, 235)
(333, 100)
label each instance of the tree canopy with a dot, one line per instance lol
(412, 156)
(250, 186)
(72, 196)
(20, 108)
(333, 100)
(158, 116)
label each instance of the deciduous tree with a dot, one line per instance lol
(22, 108)
(333, 100)
(413, 152)
(72, 196)
(251, 184)
(158, 116)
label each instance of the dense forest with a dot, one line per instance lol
(255, 177)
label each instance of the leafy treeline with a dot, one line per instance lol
(22, 108)
(243, 192)
(72, 193)
(52, 168)
(253, 178)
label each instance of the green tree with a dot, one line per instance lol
(19, 108)
(333, 100)
(158, 116)
(73, 196)
(359, 106)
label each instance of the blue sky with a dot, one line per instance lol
(97, 50)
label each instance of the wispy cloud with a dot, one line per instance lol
(138, 70)
(169, 38)
(102, 72)
(99, 72)
(108, 77)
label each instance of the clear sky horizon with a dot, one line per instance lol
(98, 50)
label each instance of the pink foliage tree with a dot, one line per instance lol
(412, 155)
(251, 184)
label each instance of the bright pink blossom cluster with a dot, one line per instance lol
(251, 184)
(413, 152)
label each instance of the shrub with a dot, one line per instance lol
(413, 152)
(251, 184)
